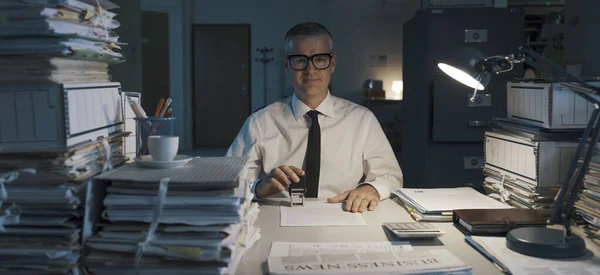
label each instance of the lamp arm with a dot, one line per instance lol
(572, 183)
(574, 188)
(559, 72)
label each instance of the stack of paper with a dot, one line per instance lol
(438, 204)
(510, 262)
(516, 191)
(41, 205)
(588, 205)
(196, 219)
(525, 166)
(361, 258)
(59, 41)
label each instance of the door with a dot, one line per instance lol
(221, 83)
(155, 51)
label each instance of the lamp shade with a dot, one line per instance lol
(466, 65)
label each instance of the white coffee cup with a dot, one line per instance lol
(163, 148)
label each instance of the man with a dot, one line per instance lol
(338, 143)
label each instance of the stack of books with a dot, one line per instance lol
(42, 199)
(57, 41)
(588, 204)
(193, 219)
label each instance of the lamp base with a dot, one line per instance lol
(544, 243)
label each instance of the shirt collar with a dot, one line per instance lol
(300, 109)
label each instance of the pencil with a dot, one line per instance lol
(161, 103)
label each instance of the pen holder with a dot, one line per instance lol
(152, 126)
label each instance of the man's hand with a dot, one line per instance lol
(359, 199)
(278, 180)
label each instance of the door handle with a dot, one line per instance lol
(243, 90)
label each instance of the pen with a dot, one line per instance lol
(165, 107)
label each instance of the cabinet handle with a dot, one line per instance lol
(478, 123)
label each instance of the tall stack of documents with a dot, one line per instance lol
(57, 41)
(516, 191)
(188, 220)
(42, 197)
(436, 205)
(526, 165)
(588, 205)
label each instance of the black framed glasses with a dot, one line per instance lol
(299, 62)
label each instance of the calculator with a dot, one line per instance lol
(414, 230)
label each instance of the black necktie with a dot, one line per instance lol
(313, 156)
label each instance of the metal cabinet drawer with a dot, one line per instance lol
(456, 165)
(456, 118)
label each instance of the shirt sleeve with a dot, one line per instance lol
(246, 144)
(380, 165)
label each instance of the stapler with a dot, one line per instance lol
(297, 192)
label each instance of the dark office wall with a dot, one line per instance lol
(129, 73)
(581, 36)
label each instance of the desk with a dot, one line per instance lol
(388, 211)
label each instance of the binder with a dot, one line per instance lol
(547, 104)
(130, 143)
(54, 117)
(542, 164)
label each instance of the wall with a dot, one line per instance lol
(129, 73)
(176, 64)
(359, 28)
(581, 37)
(364, 28)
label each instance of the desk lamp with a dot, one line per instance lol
(470, 67)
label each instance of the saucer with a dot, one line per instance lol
(147, 161)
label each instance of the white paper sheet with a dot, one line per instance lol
(319, 213)
(448, 199)
(281, 249)
(521, 264)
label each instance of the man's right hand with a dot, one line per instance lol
(278, 180)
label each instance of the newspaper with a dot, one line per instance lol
(361, 261)
(280, 249)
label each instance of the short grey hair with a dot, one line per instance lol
(305, 30)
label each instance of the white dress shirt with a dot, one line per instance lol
(352, 145)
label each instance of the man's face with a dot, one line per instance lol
(310, 81)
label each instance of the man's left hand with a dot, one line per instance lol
(359, 199)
